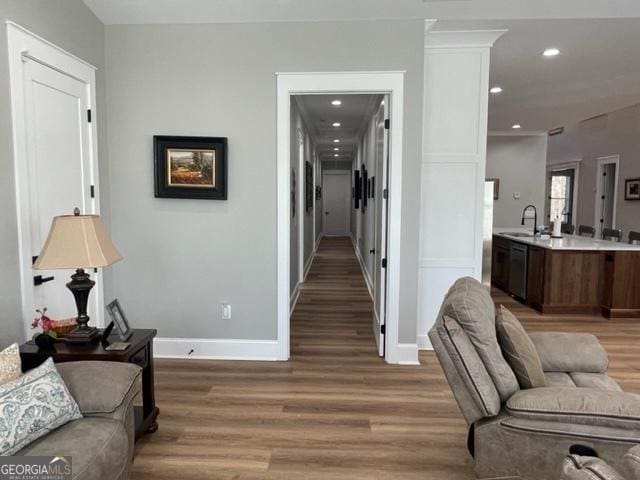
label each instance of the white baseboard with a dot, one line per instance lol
(294, 299)
(215, 349)
(408, 354)
(424, 343)
(367, 280)
(307, 267)
(317, 245)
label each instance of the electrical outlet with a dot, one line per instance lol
(226, 311)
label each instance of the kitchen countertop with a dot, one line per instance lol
(567, 242)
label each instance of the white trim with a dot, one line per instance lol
(365, 274)
(424, 343)
(215, 349)
(293, 301)
(24, 44)
(316, 246)
(343, 82)
(460, 39)
(408, 354)
(600, 162)
(307, 266)
(521, 133)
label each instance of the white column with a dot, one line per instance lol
(456, 84)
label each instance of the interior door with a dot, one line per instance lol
(336, 192)
(606, 192)
(381, 211)
(59, 172)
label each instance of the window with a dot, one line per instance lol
(561, 186)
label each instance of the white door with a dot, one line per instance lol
(381, 211)
(336, 199)
(55, 172)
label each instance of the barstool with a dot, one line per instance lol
(611, 234)
(586, 231)
(634, 238)
(567, 228)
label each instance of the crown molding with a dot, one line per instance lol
(511, 133)
(459, 38)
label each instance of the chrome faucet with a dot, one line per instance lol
(535, 216)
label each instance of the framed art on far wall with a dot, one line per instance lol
(190, 167)
(632, 189)
(308, 186)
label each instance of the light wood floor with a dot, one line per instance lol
(335, 410)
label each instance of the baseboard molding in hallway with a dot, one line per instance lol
(367, 280)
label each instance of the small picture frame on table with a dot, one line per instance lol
(119, 320)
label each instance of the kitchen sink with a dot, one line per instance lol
(516, 234)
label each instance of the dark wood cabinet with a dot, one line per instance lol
(535, 277)
(500, 262)
(621, 284)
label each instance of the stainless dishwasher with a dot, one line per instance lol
(518, 270)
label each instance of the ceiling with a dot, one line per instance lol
(353, 115)
(598, 70)
(229, 11)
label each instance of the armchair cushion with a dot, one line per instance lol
(117, 382)
(570, 352)
(470, 304)
(580, 379)
(586, 406)
(576, 467)
(518, 350)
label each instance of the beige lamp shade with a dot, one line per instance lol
(77, 241)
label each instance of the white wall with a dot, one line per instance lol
(72, 26)
(617, 133)
(220, 80)
(519, 162)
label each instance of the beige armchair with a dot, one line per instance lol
(526, 433)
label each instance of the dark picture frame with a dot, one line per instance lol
(357, 186)
(119, 319)
(190, 167)
(632, 189)
(308, 186)
(363, 174)
(372, 187)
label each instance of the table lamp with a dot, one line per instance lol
(78, 241)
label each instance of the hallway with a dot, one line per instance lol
(332, 320)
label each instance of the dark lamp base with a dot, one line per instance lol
(83, 335)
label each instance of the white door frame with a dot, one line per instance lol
(343, 173)
(575, 166)
(601, 162)
(27, 46)
(301, 83)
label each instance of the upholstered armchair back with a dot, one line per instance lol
(464, 339)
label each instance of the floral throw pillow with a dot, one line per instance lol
(32, 406)
(10, 365)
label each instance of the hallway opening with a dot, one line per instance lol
(301, 165)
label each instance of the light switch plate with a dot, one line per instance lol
(516, 195)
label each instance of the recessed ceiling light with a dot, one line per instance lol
(336, 141)
(551, 52)
(336, 103)
(336, 124)
(336, 155)
(496, 90)
(336, 149)
(517, 126)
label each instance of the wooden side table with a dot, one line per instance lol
(140, 352)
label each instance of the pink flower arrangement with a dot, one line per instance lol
(44, 322)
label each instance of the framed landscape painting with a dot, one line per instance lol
(632, 189)
(190, 167)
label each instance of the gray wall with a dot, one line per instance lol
(183, 257)
(617, 133)
(72, 26)
(520, 164)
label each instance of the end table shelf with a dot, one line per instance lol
(140, 353)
